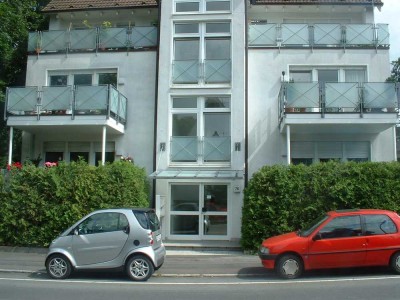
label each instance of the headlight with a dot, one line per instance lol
(264, 250)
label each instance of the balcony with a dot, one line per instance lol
(92, 40)
(319, 35)
(215, 71)
(69, 105)
(193, 149)
(335, 104)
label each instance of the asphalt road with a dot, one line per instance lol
(17, 286)
(200, 275)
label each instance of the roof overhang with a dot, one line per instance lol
(197, 174)
(377, 3)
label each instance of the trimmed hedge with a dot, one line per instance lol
(36, 204)
(280, 198)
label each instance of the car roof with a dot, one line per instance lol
(359, 211)
(141, 209)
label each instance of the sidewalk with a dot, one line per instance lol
(178, 263)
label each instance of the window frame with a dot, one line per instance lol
(202, 7)
(201, 111)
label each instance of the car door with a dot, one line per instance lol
(339, 243)
(382, 237)
(100, 238)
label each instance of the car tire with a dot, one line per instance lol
(289, 266)
(395, 262)
(58, 266)
(139, 268)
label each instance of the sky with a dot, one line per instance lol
(390, 14)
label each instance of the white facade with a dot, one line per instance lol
(225, 88)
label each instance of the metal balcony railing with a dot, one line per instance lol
(210, 71)
(66, 100)
(193, 149)
(338, 97)
(319, 35)
(92, 39)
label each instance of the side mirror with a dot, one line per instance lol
(317, 237)
(76, 231)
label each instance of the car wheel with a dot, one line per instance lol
(395, 262)
(289, 266)
(58, 267)
(139, 268)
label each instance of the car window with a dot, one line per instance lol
(379, 224)
(342, 227)
(103, 222)
(148, 220)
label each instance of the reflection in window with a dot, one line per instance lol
(379, 224)
(108, 78)
(342, 227)
(58, 80)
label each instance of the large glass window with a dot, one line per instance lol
(76, 77)
(201, 129)
(202, 53)
(199, 209)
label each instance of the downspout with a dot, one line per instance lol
(153, 198)
(10, 145)
(246, 117)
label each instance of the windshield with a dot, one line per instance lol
(312, 226)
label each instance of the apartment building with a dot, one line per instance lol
(202, 93)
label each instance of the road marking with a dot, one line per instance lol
(205, 283)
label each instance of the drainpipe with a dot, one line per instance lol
(10, 145)
(288, 152)
(246, 99)
(103, 146)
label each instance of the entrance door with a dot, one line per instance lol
(199, 211)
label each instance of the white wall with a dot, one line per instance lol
(136, 80)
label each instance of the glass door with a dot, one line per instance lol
(199, 211)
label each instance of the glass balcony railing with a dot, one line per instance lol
(339, 97)
(66, 100)
(211, 71)
(319, 35)
(92, 39)
(193, 149)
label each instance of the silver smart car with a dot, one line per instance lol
(110, 238)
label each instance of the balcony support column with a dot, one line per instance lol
(103, 146)
(395, 144)
(10, 145)
(288, 154)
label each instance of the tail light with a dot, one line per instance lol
(151, 237)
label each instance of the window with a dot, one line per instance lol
(201, 125)
(95, 77)
(58, 80)
(307, 152)
(191, 6)
(75, 156)
(83, 79)
(54, 156)
(378, 225)
(110, 157)
(202, 53)
(342, 227)
(103, 222)
(324, 74)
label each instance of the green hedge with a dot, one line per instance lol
(36, 204)
(280, 199)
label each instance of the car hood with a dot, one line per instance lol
(286, 238)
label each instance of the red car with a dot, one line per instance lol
(340, 239)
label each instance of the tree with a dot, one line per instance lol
(17, 18)
(395, 76)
